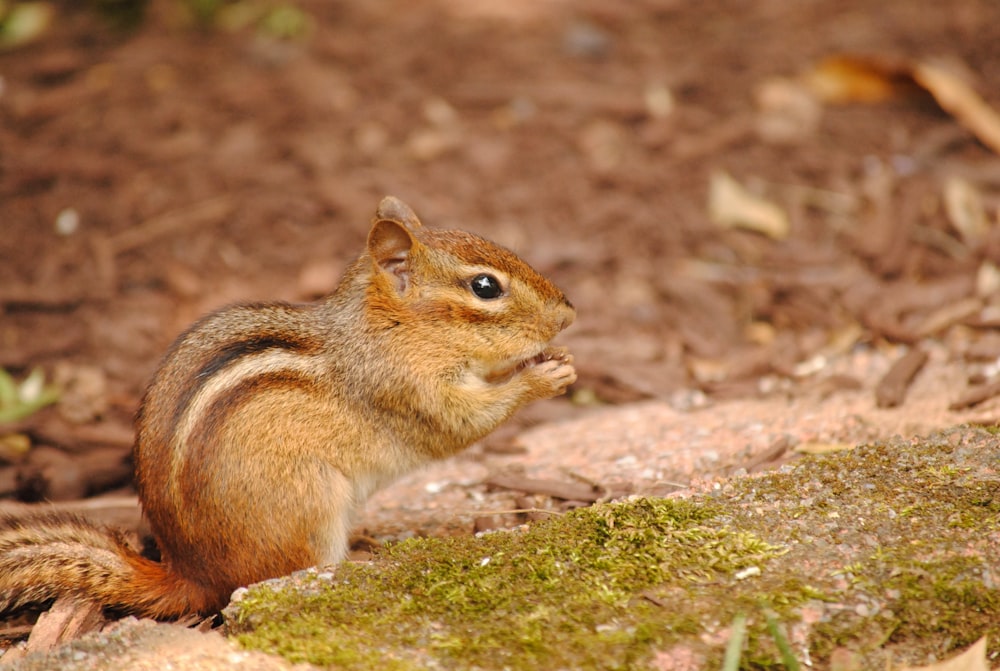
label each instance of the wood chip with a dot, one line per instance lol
(884, 315)
(985, 348)
(947, 315)
(54, 475)
(75, 438)
(771, 455)
(67, 620)
(892, 388)
(976, 395)
(489, 522)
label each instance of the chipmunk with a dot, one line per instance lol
(267, 425)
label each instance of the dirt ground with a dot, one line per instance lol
(149, 176)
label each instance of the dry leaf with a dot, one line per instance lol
(659, 101)
(855, 79)
(964, 207)
(973, 659)
(787, 111)
(732, 206)
(958, 99)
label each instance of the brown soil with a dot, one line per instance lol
(205, 167)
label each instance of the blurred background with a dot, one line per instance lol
(742, 198)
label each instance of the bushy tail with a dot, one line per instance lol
(52, 555)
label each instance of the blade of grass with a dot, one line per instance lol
(787, 657)
(731, 662)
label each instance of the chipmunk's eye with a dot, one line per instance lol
(486, 287)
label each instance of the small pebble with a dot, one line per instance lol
(67, 221)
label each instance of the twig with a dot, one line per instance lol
(656, 601)
(106, 248)
(594, 484)
(569, 491)
(212, 209)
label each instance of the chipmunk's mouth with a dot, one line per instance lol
(507, 371)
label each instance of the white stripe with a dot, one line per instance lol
(273, 360)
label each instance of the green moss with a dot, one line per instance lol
(887, 551)
(913, 539)
(564, 593)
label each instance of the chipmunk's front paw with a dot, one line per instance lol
(555, 370)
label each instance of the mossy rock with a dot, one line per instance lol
(883, 551)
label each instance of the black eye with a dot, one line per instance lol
(486, 287)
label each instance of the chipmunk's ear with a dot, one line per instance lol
(393, 209)
(391, 240)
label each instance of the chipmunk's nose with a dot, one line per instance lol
(566, 313)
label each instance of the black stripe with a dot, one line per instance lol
(235, 350)
(230, 353)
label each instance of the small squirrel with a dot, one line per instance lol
(267, 425)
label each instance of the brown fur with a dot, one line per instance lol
(268, 424)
